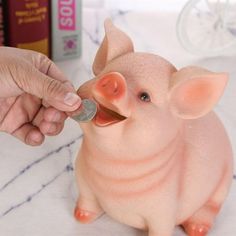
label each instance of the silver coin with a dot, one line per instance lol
(87, 112)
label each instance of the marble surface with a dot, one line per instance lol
(37, 189)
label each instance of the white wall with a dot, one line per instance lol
(137, 4)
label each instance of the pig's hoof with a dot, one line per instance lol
(196, 229)
(84, 216)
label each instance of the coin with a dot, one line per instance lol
(87, 112)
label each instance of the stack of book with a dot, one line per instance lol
(52, 27)
(2, 35)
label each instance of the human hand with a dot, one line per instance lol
(34, 95)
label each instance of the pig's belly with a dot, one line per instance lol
(134, 211)
(135, 201)
(128, 212)
(126, 205)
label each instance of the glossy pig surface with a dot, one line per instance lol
(155, 155)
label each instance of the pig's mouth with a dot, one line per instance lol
(106, 116)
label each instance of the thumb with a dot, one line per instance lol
(59, 94)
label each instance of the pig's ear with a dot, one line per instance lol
(115, 44)
(196, 96)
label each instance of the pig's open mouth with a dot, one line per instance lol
(106, 116)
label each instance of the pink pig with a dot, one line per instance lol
(155, 155)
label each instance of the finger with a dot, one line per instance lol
(45, 104)
(38, 118)
(53, 115)
(40, 61)
(51, 129)
(54, 92)
(48, 67)
(29, 134)
(44, 120)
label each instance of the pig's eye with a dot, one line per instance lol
(144, 96)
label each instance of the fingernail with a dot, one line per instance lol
(36, 137)
(51, 129)
(71, 99)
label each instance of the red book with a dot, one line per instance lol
(2, 34)
(28, 24)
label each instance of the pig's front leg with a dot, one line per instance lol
(87, 207)
(160, 231)
(87, 210)
(162, 224)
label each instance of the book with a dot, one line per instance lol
(28, 24)
(2, 33)
(66, 29)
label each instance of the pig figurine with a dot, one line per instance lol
(155, 155)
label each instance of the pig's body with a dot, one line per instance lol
(160, 161)
(129, 190)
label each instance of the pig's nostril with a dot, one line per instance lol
(110, 86)
(115, 87)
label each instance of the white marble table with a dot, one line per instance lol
(37, 191)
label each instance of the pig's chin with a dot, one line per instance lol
(106, 117)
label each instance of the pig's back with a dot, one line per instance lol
(208, 159)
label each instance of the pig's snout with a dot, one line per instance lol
(112, 86)
(111, 93)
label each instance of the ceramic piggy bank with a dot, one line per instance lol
(155, 155)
